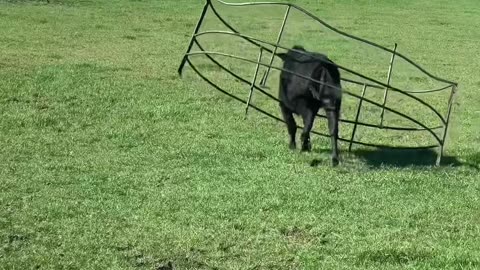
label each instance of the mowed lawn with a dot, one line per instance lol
(109, 160)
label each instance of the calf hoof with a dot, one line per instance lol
(335, 162)
(292, 146)
(307, 147)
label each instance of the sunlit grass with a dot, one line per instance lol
(109, 160)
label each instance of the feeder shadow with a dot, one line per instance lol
(408, 158)
(400, 158)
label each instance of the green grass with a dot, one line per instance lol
(109, 160)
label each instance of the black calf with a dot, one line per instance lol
(305, 97)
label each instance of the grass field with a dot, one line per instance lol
(109, 160)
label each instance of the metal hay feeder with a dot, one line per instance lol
(365, 83)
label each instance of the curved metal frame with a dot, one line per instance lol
(265, 46)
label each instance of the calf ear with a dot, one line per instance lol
(283, 56)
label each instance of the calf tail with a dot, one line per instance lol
(329, 86)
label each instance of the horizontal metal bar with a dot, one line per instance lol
(314, 132)
(319, 59)
(310, 79)
(345, 79)
(425, 128)
(428, 91)
(360, 83)
(262, 64)
(398, 113)
(406, 91)
(233, 29)
(339, 32)
(319, 115)
(383, 127)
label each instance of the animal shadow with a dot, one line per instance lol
(401, 158)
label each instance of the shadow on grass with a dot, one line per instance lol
(406, 158)
(404, 257)
(392, 256)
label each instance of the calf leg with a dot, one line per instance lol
(291, 125)
(308, 115)
(333, 118)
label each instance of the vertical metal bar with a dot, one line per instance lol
(252, 85)
(265, 76)
(445, 129)
(389, 76)
(197, 27)
(356, 118)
